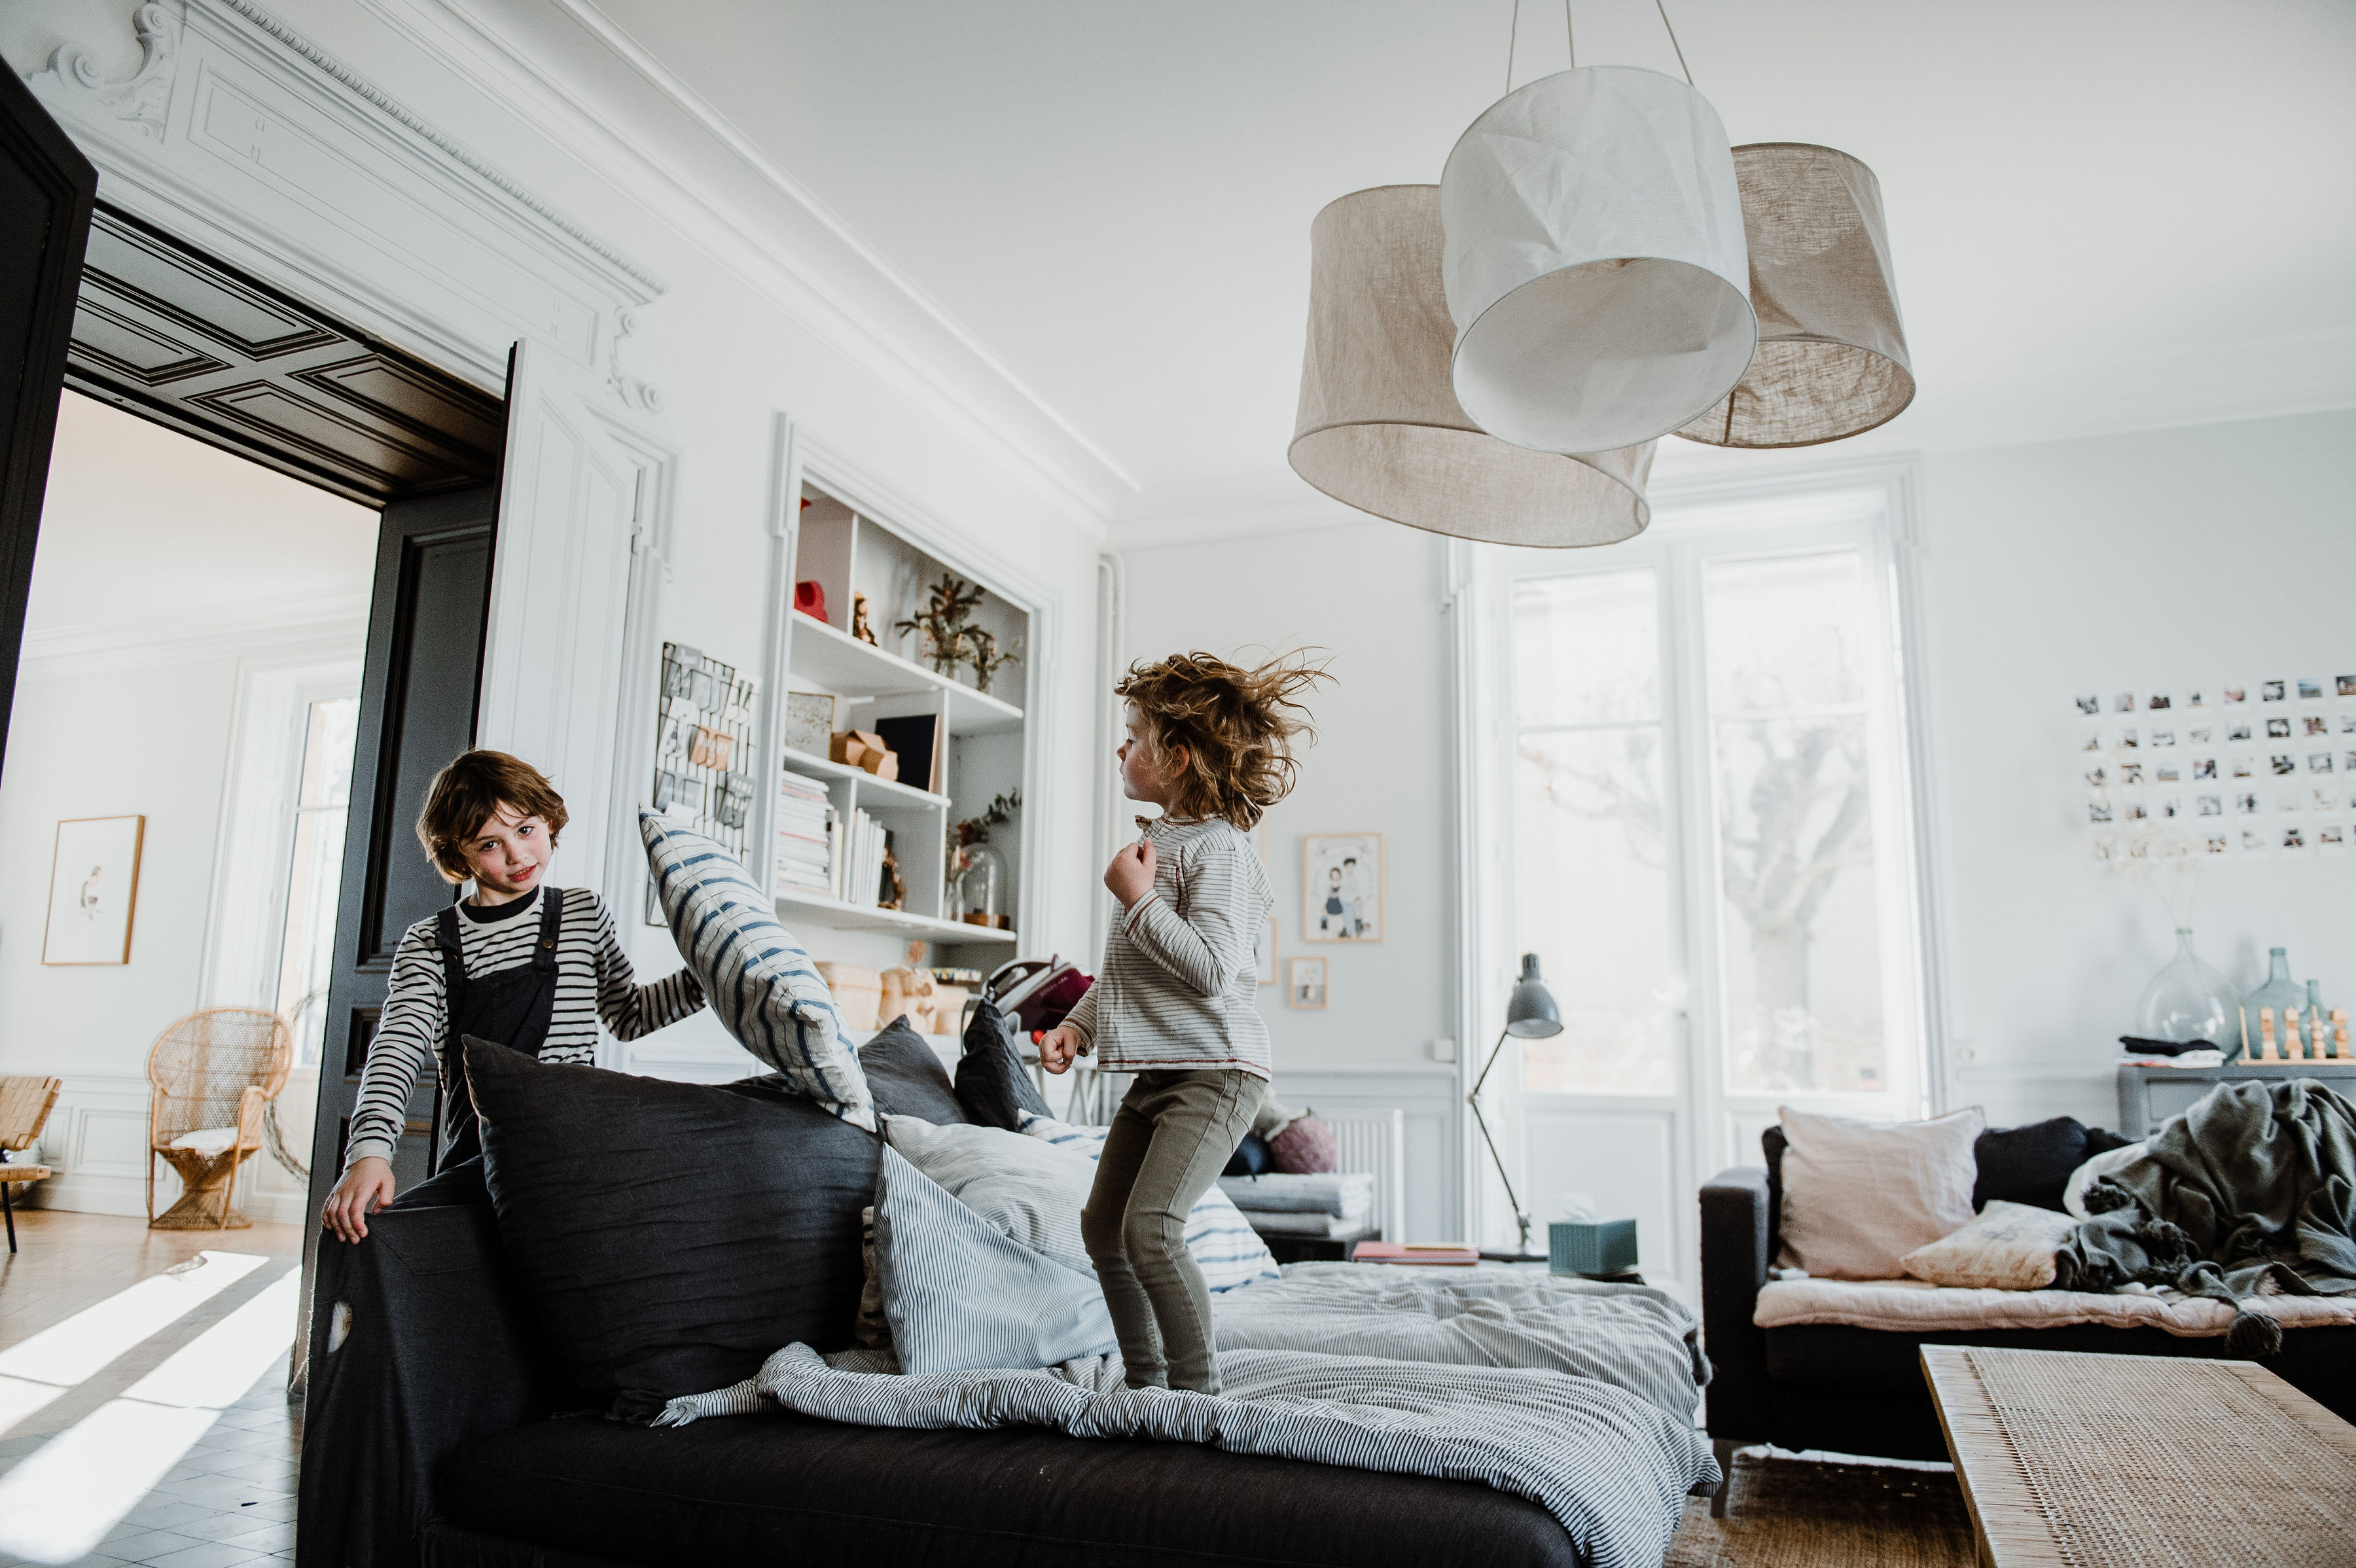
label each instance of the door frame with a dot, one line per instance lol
(1887, 489)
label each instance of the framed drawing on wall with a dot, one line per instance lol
(1264, 952)
(1307, 986)
(94, 890)
(1342, 887)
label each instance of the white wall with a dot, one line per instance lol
(2159, 560)
(1369, 593)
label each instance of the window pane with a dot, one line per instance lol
(327, 751)
(1787, 632)
(1799, 936)
(1594, 895)
(1587, 648)
(316, 875)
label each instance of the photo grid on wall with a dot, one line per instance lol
(2255, 768)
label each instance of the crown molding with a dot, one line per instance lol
(726, 198)
(295, 626)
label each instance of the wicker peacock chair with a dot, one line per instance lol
(213, 1072)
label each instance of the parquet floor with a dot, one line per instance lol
(142, 1406)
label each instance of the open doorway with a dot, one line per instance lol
(188, 685)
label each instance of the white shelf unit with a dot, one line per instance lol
(987, 741)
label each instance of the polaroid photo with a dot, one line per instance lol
(2317, 724)
(2247, 803)
(2331, 839)
(2322, 800)
(2348, 723)
(2163, 737)
(2216, 842)
(2170, 808)
(2293, 838)
(2245, 768)
(2127, 739)
(2165, 773)
(2277, 729)
(2210, 805)
(2090, 706)
(2347, 761)
(2233, 693)
(2271, 691)
(2197, 697)
(2203, 735)
(2098, 811)
(2253, 843)
(2159, 701)
(2123, 703)
(2204, 767)
(2310, 691)
(2319, 762)
(2238, 732)
(2286, 800)
(2284, 764)
(2094, 741)
(2100, 847)
(2098, 775)
(2137, 811)
(2130, 772)
(2347, 684)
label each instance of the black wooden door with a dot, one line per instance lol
(419, 687)
(46, 187)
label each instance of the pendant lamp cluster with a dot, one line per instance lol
(1495, 357)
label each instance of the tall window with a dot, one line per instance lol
(1710, 822)
(315, 872)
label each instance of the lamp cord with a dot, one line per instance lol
(1661, 5)
(1514, 38)
(1568, 37)
(1513, 42)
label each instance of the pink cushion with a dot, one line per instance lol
(1307, 1147)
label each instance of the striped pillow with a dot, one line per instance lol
(1227, 1248)
(760, 982)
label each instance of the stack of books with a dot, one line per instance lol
(807, 832)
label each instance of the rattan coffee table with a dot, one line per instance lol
(2143, 1461)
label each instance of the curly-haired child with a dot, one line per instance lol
(1176, 999)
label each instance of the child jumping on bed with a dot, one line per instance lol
(1175, 1000)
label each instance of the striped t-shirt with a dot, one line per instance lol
(1178, 990)
(594, 980)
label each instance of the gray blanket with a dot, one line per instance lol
(2251, 1191)
(1612, 1468)
(1632, 1336)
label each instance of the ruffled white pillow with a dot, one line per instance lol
(2010, 1246)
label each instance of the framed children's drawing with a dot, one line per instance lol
(1342, 887)
(94, 890)
(1307, 986)
(1264, 952)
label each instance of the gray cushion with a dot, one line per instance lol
(993, 1084)
(906, 1078)
(1029, 1189)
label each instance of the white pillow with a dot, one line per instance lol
(206, 1140)
(1859, 1195)
(2010, 1246)
(1029, 1190)
(2074, 1194)
(1225, 1246)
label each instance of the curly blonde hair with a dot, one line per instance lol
(1235, 725)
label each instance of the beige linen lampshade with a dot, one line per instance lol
(1594, 261)
(1379, 427)
(1832, 350)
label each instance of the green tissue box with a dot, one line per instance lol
(1602, 1247)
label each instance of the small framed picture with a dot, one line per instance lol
(2235, 693)
(2347, 684)
(1306, 986)
(2271, 691)
(94, 890)
(1264, 952)
(1342, 887)
(2090, 705)
(2310, 690)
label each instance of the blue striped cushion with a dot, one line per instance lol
(1226, 1248)
(962, 1296)
(760, 982)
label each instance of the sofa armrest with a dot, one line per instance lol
(416, 1347)
(1735, 1221)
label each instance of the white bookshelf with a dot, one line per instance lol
(986, 737)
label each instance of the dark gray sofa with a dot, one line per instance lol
(1862, 1391)
(431, 1438)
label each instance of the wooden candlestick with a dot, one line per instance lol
(2266, 1035)
(2292, 1048)
(2339, 1033)
(2316, 1040)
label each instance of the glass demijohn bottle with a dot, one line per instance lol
(2188, 1001)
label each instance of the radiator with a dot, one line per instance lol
(1376, 1141)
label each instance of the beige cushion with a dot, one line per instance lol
(2010, 1246)
(206, 1140)
(1859, 1195)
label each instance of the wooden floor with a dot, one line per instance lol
(109, 1455)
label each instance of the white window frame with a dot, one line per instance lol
(1874, 505)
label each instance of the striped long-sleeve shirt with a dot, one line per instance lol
(594, 980)
(1178, 990)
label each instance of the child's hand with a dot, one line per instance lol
(365, 1187)
(1130, 875)
(1057, 1048)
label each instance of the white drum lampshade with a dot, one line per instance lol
(1595, 263)
(1832, 350)
(1379, 427)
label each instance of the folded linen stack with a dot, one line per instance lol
(1331, 1204)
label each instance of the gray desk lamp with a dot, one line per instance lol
(1530, 1014)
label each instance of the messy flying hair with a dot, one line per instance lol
(1235, 725)
(469, 792)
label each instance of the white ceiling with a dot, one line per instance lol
(2107, 215)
